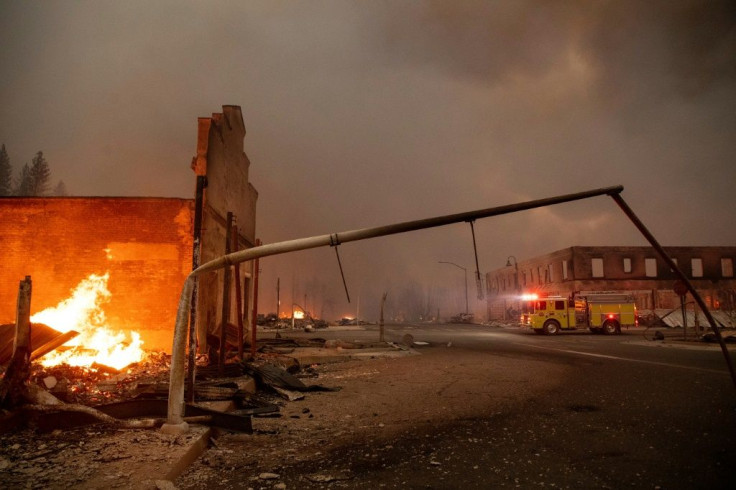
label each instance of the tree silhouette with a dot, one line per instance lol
(40, 175)
(23, 187)
(6, 173)
(60, 189)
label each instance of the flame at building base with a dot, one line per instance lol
(96, 342)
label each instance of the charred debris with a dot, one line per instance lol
(64, 397)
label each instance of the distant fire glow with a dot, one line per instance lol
(96, 342)
(298, 315)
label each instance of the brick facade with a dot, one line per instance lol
(145, 244)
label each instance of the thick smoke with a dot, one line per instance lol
(368, 113)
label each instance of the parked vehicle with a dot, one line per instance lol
(600, 313)
(463, 318)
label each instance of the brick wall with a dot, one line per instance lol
(144, 243)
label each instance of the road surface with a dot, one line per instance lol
(489, 407)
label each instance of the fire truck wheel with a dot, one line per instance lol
(551, 327)
(610, 328)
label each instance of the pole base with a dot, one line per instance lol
(175, 429)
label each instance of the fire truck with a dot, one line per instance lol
(600, 313)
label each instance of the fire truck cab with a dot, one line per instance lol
(600, 313)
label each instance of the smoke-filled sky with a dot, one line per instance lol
(361, 114)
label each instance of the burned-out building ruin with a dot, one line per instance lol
(139, 248)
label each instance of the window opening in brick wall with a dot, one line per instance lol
(597, 266)
(697, 267)
(551, 273)
(564, 269)
(627, 265)
(727, 267)
(650, 267)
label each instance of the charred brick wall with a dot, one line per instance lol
(145, 244)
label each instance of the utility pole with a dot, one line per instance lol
(278, 300)
(466, 281)
(380, 335)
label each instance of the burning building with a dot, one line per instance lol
(117, 264)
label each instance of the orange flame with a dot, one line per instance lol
(298, 314)
(96, 342)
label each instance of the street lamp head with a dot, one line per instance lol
(452, 263)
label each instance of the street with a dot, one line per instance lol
(489, 407)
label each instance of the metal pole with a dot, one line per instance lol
(684, 317)
(238, 294)
(466, 291)
(478, 282)
(196, 251)
(380, 324)
(672, 265)
(466, 281)
(255, 303)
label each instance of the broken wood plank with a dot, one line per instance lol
(53, 344)
(288, 394)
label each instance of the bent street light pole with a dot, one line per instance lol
(175, 417)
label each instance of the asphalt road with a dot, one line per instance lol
(627, 412)
(631, 413)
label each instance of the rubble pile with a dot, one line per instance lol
(56, 448)
(100, 384)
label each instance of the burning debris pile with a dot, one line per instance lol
(77, 358)
(98, 383)
(78, 380)
(88, 364)
(96, 342)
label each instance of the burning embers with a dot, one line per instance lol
(96, 343)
